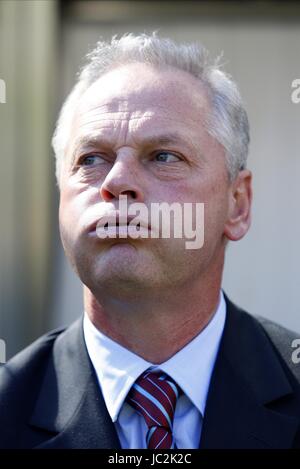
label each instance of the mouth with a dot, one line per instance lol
(112, 226)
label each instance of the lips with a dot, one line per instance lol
(112, 225)
(114, 220)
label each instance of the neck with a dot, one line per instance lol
(154, 328)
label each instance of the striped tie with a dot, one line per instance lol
(154, 396)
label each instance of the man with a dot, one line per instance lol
(161, 359)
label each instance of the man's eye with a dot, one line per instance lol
(166, 157)
(91, 160)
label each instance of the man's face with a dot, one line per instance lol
(140, 132)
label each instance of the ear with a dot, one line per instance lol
(239, 210)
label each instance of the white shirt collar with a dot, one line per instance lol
(117, 368)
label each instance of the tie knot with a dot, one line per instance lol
(154, 396)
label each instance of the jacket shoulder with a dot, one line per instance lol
(286, 343)
(20, 379)
(28, 359)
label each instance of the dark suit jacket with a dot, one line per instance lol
(49, 396)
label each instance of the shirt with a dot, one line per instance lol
(117, 368)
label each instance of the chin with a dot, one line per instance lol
(114, 272)
(118, 285)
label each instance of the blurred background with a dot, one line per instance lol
(42, 44)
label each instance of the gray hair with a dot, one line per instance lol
(227, 122)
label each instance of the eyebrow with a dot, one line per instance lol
(151, 141)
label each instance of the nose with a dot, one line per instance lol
(122, 179)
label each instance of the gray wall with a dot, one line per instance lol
(27, 64)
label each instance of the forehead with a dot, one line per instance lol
(142, 98)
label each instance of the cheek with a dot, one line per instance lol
(75, 202)
(71, 209)
(216, 210)
(67, 211)
(66, 223)
(213, 193)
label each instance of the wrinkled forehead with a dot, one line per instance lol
(139, 90)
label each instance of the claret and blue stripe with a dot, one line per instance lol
(154, 396)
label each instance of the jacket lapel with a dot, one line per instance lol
(247, 387)
(70, 404)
